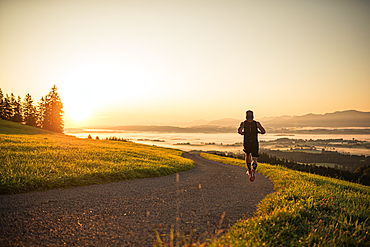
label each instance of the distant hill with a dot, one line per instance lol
(339, 119)
(192, 123)
(225, 122)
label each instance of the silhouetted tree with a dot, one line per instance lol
(29, 111)
(365, 177)
(17, 110)
(40, 113)
(53, 117)
(7, 110)
(47, 115)
(12, 103)
(1, 104)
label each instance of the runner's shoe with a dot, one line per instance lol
(248, 172)
(252, 176)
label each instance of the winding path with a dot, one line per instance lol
(127, 213)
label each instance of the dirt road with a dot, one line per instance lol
(127, 213)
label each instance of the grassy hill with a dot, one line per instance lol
(33, 159)
(305, 210)
(11, 128)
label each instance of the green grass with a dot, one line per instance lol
(43, 160)
(305, 210)
(7, 127)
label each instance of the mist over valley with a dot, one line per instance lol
(340, 122)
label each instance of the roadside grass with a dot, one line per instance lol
(305, 210)
(48, 161)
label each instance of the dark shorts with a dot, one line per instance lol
(251, 148)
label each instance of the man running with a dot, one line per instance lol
(250, 129)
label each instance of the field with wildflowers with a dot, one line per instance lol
(305, 210)
(32, 159)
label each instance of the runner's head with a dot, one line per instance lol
(249, 115)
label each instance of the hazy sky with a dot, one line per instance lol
(139, 62)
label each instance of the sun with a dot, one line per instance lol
(78, 104)
(96, 84)
(78, 112)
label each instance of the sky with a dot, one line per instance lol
(119, 62)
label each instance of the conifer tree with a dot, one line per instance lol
(47, 115)
(53, 120)
(1, 104)
(7, 110)
(40, 113)
(12, 102)
(29, 111)
(17, 110)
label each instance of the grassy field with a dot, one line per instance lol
(305, 210)
(32, 159)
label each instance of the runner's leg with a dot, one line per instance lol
(248, 161)
(255, 163)
(252, 172)
(255, 155)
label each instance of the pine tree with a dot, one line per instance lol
(1, 104)
(17, 110)
(53, 111)
(29, 111)
(7, 110)
(40, 113)
(12, 102)
(20, 106)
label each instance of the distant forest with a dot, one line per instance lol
(349, 162)
(47, 114)
(360, 175)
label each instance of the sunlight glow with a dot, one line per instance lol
(96, 84)
(78, 111)
(171, 62)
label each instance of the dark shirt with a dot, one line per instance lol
(250, 131)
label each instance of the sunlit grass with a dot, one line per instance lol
(47, 161)
(305, 210)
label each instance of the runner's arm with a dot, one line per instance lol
(261, 130)
(241, 128)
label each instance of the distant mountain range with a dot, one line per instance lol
(348, 122)
(225, 122)
(339, 119)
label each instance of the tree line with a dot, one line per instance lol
(46, 114)
(349, 162)
(361, 175)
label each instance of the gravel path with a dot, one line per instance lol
(127, 213)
